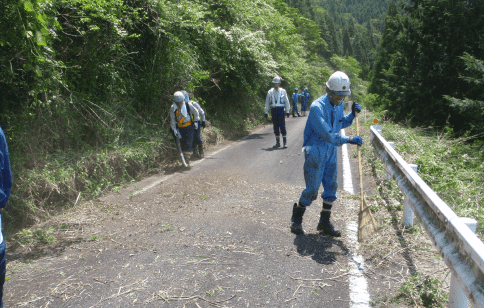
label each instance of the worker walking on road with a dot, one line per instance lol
(321, 137)
(197, 138)
(184, 117)
(278, 103)
(305, 100)
(295, 100)
(5, 187)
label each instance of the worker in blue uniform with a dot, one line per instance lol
(295, 100)
(5, 187)
(277, 103)
(321, 137)
(305, 100)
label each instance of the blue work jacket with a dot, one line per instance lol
(324, 123)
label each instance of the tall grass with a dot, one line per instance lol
(53, 162)
(452, 166)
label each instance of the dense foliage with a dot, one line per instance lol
(82, 79)
(350, 28)
(85, 64)
(429, 67)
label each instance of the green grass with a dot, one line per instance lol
(423, 291)
(42, 236)
(452, 167)
(50, 173)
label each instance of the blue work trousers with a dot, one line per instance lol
(279, 121)
(197, 139)
(320, 167)
(187, 139)
(294, 108)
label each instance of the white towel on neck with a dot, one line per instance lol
(183, 110)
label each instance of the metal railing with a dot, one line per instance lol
(461, 250)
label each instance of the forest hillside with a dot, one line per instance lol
(86, 85)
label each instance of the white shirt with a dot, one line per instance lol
(200, 110)
(173, 120)
(277, 98)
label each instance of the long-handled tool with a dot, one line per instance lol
(177, 141)
(366, 222)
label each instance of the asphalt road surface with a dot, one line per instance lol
(216, 235)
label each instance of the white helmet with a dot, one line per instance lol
(339, 83)
(276, 80)
(179, 97)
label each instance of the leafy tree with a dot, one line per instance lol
(419, 62)
(387, 48)
(28, 68)
(83, 65)
(471, 105)
(347, 45)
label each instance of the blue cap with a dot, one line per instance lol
(305, 89)
(296, 89)
(187, 98)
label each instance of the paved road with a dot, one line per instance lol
(254, 154)
(215, 235)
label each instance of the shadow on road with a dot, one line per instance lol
(253, 136)
(273, 149)
(317, 246)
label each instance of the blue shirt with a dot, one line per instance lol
(5, 172)
(5, 175)
(305, 97)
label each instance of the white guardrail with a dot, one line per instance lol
(460, 248)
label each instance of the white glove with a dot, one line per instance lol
(177, 133)
(195, 124)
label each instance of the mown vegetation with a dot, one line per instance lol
(452, 166)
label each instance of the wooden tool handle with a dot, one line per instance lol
(359, 162)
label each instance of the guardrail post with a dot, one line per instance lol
(407, 210)
(457, 298)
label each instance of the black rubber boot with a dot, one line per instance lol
(296, 219)
(298, 115)
(284, 142)
(278, 143)
(325, 226)
(200, 151)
